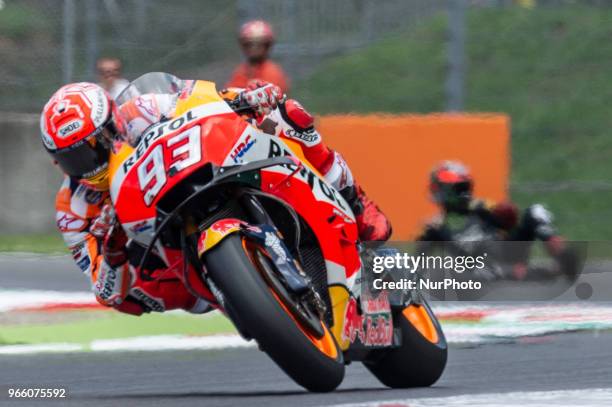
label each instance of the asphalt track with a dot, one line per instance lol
(57, 273)
(246, 377)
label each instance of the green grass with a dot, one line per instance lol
(548, 68)
(114, 325)
(52, 243)
(19, 21)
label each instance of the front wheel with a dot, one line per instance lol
(313, 361)
(421, 357)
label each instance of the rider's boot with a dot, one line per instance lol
(372, 223)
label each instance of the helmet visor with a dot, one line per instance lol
(462, 188)
(85, 159)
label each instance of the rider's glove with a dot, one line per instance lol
(102, 224)
(262, 96)
(538, 222)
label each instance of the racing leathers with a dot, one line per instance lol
(78, 210)
(85, 218)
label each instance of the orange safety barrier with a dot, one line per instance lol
(392, 156)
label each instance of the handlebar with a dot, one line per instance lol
(240, 106)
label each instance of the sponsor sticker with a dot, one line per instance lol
(226, 225)
(372, 328)
(100, 110)
(48, 141)
(84, 264)
(308, 136)
(69, 223)
(77, 251)
(152, 303)
(107, 283)
(319, 187)
(93, 197)
(140, 227)
(69, 128)
(273, 242)
(242, 148)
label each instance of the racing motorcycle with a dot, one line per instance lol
(248, 224)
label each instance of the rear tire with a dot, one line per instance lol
(262, 316)
(418, 362)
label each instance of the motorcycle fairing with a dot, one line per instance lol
(222, 137)
(297, 187)
(166, 154)
(216, 233)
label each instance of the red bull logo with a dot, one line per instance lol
(372, 328)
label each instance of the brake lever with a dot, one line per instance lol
(240, 106)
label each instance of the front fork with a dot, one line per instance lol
(264, 234)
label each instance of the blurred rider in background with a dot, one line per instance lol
(109, 76)
(81, 124)
(256, 39)
(451, 187)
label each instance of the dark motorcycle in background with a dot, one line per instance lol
(506, 257)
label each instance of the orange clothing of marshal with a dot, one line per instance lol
(267, 71)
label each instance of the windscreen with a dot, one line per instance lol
(151, 83)
(156, 93)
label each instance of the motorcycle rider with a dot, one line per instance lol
(256, 40)
(81, 123)
(451, 187)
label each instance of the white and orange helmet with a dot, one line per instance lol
(256, 31)
(78, 126)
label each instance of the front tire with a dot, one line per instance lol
(316, 364)
(421, 358)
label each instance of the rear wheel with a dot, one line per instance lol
(309, 356)
(421, 358)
